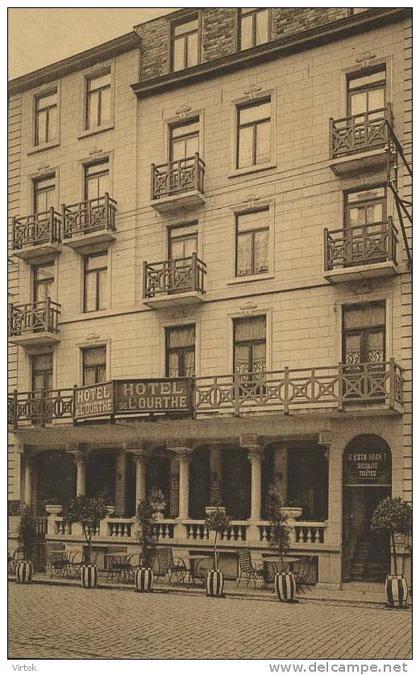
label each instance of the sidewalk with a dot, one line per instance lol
(354, 593)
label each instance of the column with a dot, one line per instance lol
(280, 472)
(255, 457)
(215, 466)
(184, 484)
(174, 493)
(27, 481)
(120, 478)
(139, 457)
(80, 460)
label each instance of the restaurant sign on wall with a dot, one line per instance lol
(367, 467)
(128, 397)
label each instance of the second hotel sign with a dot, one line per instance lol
(133, 396)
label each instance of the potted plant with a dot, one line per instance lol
(284, 582)
(88, 512)
(157, 502)
(394, 516)
(291, 508)
(217, 521)
(27, 537)
(148, 537)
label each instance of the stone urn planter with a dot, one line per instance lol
(53, 509)
(292, 512)
(215, 583)
(110, 509)
(89, 576)
(211, 509)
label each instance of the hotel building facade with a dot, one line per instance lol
(210, 282)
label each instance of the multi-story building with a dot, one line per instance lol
(211, 280)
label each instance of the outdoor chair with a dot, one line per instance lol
(302, 570)
(76, 561)
(164, 564)
(58, 563)
(248, 569)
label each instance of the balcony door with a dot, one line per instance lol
(96, 180)
(182, 243)
(366, 92)
(365, 226)
(44, 194)
(364, 350)
(249, 354)
(42, 372)
(43, 281)
(184, 140)
(180, 351)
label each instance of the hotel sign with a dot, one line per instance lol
(130, 397)
(367, 467)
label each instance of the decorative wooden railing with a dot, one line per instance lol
(360, 245)
(301, 532)
(359, 133)
(92, 215)
(174, 276)
(181, 175)
(280, 391)
(339, 387)
(38, 228)
(34, 317)
(40, 407)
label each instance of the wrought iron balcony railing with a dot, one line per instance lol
(359, 133)
(34, 317)
(360, 245)
(177, 177)
(92, 215)
(340, 387)
(174, 276)
(38, 228)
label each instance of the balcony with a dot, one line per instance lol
(178, 184)
(360, 252)
(367, 387)
(360, 142)
(90, 222)
(37, 235)
(34, 323)
(174, 282)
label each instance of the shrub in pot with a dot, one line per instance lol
(217, 521)
(148, 537)
(394, 516)
(87, 512)
(284, 582)
(27, 537)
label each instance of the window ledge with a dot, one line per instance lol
(96, 130)
(44, 146)
(252, 169)
(264, 276)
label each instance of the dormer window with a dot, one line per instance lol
(185, 44)
(254, 27)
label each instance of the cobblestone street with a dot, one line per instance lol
(61, 622)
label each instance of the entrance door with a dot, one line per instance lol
(366, 481)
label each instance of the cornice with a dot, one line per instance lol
(55, 71)
(354, 24)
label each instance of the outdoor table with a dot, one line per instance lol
(275, 562)
(193, 560)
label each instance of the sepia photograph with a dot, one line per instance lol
(209, 296)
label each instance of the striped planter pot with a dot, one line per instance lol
(143, 579)
(89, 576)
(396, 590)
(24, 570)
(214, 584)
(285, 585)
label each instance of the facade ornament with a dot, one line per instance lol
(252, 91)
(362, 287)
(95, 151)
(92, 337)
(365, 57)
(251, 201)
(248, 307)
(183, 111)
(43, 168)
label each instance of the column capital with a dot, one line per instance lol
(78, 456)
(255, 453)
(72, 447)
(139, 454)
(182, 452)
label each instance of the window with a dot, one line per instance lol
(184, 140)
(182, 241)
(254, 134)
(365, 207)
(46, 127)
(252, 243)
(249, 350)
(180, 351)
(96, 288)
(98, 100)
(253, 27)
(185, 44)
(366, 91)
(43, 277)
(44, 193)
(42, 372)
(96, 179)
(364, 333)
(94, 365)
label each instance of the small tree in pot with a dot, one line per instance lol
(217, 521)
(394, 516)
(88, 512)
(148, 537)
(284, 582)
(27, 537)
